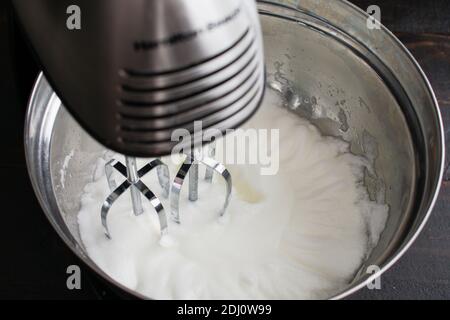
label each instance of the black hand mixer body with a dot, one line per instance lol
(136, 70)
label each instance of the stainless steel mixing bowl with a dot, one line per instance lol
(352, 82)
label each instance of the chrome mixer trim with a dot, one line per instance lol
(136, 96)
(177, 77)
(244, 108)
(161, 99)
(204, 91)
(220, 124)
(186, 118)
(219, 101)
(209, 105)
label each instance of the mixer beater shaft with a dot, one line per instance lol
(193, 182)
(209, 173)
(133, 178)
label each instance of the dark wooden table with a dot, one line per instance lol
(34, 259)
(424, 271)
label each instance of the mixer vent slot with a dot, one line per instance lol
(142, 135)
(150, 105)
(144, 74)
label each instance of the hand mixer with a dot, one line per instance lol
(136, 70)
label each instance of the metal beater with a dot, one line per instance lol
(137, 187)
